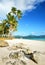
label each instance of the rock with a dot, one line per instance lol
(14, 55)
(3, 43)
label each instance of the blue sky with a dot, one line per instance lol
(33, 19)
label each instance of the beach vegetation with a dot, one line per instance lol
(10, 24)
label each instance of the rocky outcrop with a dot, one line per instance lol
(3, 43)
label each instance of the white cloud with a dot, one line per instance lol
(23, 5)
(33, 33)
(5, 6)
(27, 4)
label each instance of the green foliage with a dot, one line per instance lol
(1, 29)
(11, 22)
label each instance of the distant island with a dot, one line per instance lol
(31, 37)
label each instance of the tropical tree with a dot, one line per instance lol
(11, 22)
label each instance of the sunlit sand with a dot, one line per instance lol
(33, 45)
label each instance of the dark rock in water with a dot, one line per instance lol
(3, 43)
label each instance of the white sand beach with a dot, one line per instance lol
(33, 45)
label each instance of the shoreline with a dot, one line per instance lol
(31, 39)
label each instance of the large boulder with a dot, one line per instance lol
(3, 43)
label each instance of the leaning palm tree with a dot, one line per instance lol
(10, 24)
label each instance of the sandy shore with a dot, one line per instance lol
(34, 45)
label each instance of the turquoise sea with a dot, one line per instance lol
(42, 39)
(31, 38)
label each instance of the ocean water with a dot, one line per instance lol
(43, 39)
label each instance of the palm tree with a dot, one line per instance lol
(11, 22)
(12, 18)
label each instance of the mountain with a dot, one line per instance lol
(30, 36)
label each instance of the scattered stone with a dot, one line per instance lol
(13, 55)
(3, 43)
